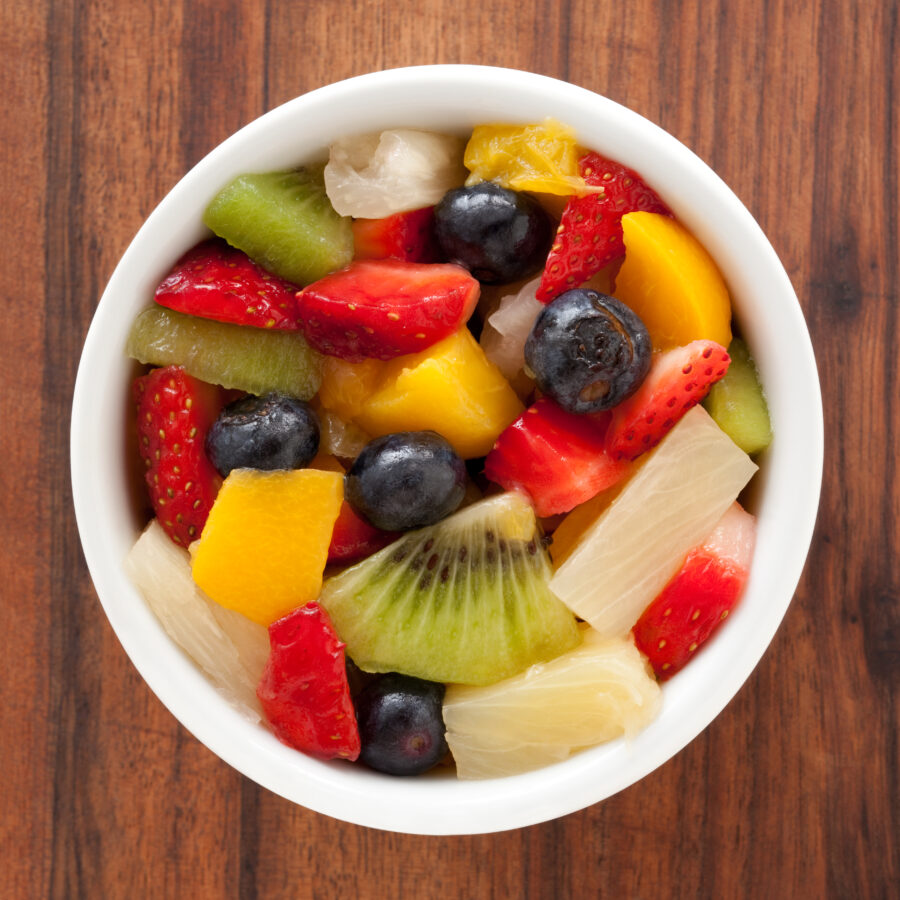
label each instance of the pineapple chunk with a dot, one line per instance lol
(597, 692)
(626, 557)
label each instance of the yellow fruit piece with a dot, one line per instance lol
(672, 283)
(265, 543)
(347, 386)
(337, 437)
(539, 157)
(450, 388)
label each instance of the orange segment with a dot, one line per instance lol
(672, 283)
(539, 157)
(265, 543)
(451, 388)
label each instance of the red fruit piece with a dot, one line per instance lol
(589, 236)
(557, 458)
(174, 412)
(217, 281)
(379, 309)
(304, 691)
(700, 596)
(353, 538)
(678, 379)
(406, 235)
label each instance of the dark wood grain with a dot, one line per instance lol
(794, 790)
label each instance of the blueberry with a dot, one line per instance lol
(588, 351)
(497, 234)
(401, 725)
(406, 480)
(270, 432)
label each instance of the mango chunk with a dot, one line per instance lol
(672, 283)
(450, 388)
(264, 546)
(346, 386)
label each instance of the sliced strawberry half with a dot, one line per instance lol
(699, 597)
(304, 691)
(589, 236)
(406, 235)
(385, 308)
(557, 458)
(174, 413)
(218, 282)
(678, 379)
(353, 538)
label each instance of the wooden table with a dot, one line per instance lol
(793, 791)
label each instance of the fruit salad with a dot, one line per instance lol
(444, 445)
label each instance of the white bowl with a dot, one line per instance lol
(454, 98)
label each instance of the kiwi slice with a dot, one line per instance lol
(285, 222)
(737, 404)
(234, 356)
(465, 601)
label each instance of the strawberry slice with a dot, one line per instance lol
(406, 235)
(589, 236)
(557, 458)
(699, 597)
(353, 538)
(385, 308)
(174, 412)
(218, 282)
(678, 379)
(304, 691)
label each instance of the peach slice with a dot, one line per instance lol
(672, 283)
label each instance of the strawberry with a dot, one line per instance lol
(699, 597)
(304, 691)
(174, 413)
(589, 236)
(385, 308)
(353, 538)
(217, 281)
(406, 235)
(557, 458)
(678, 379)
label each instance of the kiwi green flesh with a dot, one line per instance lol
(737, 403)
(235, 356)
(285, 222)
(460, 601)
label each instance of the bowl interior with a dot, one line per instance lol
(455, 98)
